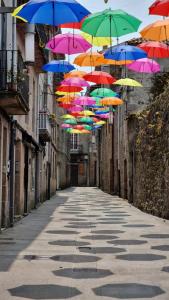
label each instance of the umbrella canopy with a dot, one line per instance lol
(75, 131)
(144, 65)
(85, 131)
(111, 101)
(79, 127)
(104, 116)
(69, 89)
(84, 100)
(16, 11)
(76, 108)
(73, 25)
(110, 23)
(128, 82)
(59, 66)
(46, 12)
(86, 120)
(157, 31)
(96, 41)
(65, 105)
(101, 123)
(155, 49)
(88, 113)
(68, 43)
(65, 99)
(103, 92)
(106, 61)
(87, 127)
(71, 121)
(67, 117)
(88, 59)
(75, 73)
(67, 94)
(75, 81)
(99, 77)
(124, 52)
(102, 112)
(160, 7)
(65, 126)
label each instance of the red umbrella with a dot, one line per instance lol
(69, 89)
(155, 49)
(75, 25)
(80, 127)
(65, 105)
(160, 8)
(99, 77)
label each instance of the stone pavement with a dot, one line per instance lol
(87, 245)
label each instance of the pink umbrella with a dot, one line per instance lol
(66, 126)
(144, 65)
(84, 100)
(103, 116)
(68, 43)
(75, 81)
(75, 108)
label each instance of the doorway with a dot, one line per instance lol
(26, 173)
(125, 180)
(74, 175)
(4, 178)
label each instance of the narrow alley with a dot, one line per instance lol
(85, 244)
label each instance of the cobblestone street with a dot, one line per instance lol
(85, 244)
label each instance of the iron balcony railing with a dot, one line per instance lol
(44, 123)
(76, 148)
(13, 74)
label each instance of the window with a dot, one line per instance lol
(74, 141)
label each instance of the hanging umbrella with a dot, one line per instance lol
(160, 7)
(102, 112)
(103, 92)
(128, 82)
(85, 131)
(155, 49)
(87, 113)
(79, 127)
(96, 41)
(87, 127)
(88, 59)
(144, 65)
(59, 66)
(110, 23)
(84, 100)
(65, 99)
(65, 126)
(53, 12)
(67, 117)
(69, 89)
(124, 52)
(75, 131)
(16, 11)
(99, 77)
(105, 61)
(65, 105)
(76, 108)
(68, 43)
(75, 81)
(157, 31)
(104, 116)
(72, 94)
(111, 101)
(71, 121)
(86, 120)
(100, 123)
(75, 73)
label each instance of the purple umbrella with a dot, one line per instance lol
(68, 43)
(76, 108)
(103, 116)
(75, 81)
(144, 65)
(84, 100)
(66, 126)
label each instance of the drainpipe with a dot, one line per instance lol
(11, 173)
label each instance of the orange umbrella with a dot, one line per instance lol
(157, 31)
(111, 101)
(69, 89)
(66, 99)
(88, 59)
(115, 62)
(75, 73)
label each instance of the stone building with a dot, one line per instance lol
(29, 135)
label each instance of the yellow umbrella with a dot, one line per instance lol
(16, 11)
(111, 101)
(157, 31)
(67, 117)
(96, 41)
(88, 59)
(87, 113)
(128, 82)
(66, 93)
(76, 131)
(100, 123)
(75, 73)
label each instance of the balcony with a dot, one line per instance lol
(14, 83)
(76, 149)
(44, 127)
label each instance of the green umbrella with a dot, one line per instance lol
(71, 121)
(86, 120)
(87, 127)
(110, 23)
(103, 92)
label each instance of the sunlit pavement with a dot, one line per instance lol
(85, 244)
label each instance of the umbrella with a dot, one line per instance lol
(79, 127)
(110, 23)
(88, 59)
(102, 112)
(73, 25)
(87, 127)
(76, 108)
(100, 77)
(69, 89)
(67, 94)
(157, 31)
(111, 101)
(104, 116)
(75, 131)
(68, 43)
(144, 65)
(85, 131)
(59, 66)
(103, 92)
(64, 99)
(160, 7)
(84, 100)
(65, 126)
(100, 123)
(87, 113)
(96, 41)
(53, 12)
(16, 11)
(128, 82)
(65, 105)
(155, 49)
(75, 81)
(67, 117)
(71, 121)
(124, 52)
(105, 61)
(75, 73)
(86, 120)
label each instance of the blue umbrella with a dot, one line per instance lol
(96, 127)
(102, 112)
(124, 52)
(53, 12)
(59, 66)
